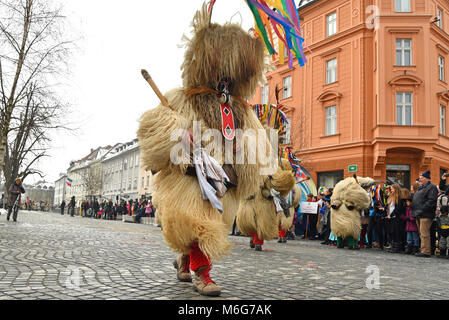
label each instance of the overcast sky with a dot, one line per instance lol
(118, 39)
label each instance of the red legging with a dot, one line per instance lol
(282, 233)
(198, 260)
(256, 239)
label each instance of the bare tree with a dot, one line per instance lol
(92, 179)
(33, 55)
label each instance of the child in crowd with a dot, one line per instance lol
(443, 230)
(413, 241)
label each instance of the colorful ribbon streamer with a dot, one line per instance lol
(282, 17)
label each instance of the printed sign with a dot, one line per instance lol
(309, 207)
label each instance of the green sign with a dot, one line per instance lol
(353, 168)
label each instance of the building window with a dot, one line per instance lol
(287, 93)
(143, 182)
(403, 6)
(404, 52)
(264, 97)
(285, 138)
(331, 24)
(441, 67)
(137, 160)
(330, 179)
(331, 71)
(131, 162)
(404, 108)
(331, 120)
(440, 18)
(443, 120)
(148, 181)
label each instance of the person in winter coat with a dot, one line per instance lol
(15, 191)
(72, 205)
(62, 207)
(95, 208)
(413, 242)
(396, 209)
(442, 222)
(423, 208)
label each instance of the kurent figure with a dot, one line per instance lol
(349, 198)
(285, 223)
(258, 215)
(196, 200)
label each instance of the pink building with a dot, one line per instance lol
(373, 96)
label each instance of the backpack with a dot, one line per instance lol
(444, 203)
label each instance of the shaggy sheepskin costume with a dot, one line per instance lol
(257, 216)
(191, 225)
(349, 198)
(285, 223)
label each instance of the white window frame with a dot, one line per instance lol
(264, 94)
(287, 91)
(440, 17)
(402, 49)
(331, 120)
(403, 6)
(441, 68)
(331, 71)
(402, 105)
(331, 24)
(442, 120)
(286, 137)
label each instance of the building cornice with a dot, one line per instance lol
(403, 30)
(336, 37)
(442, 48)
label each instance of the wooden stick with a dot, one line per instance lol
(156, 90)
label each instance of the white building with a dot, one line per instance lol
(121, 172)
(86, 175)
(60, 190)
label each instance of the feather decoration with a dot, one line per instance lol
(282, 17)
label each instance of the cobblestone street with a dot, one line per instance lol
(49, 256)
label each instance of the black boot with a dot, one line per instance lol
(251, 244)
(409, 250)
(442, 253)
(395, 247)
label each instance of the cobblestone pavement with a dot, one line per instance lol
(49, 256)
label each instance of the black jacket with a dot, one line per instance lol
(424, 202)
(399, 209)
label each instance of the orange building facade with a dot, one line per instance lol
(373, 96)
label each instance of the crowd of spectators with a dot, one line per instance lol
(398, 220)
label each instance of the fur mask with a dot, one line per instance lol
(216, 52)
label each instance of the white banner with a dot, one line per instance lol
(309, 207)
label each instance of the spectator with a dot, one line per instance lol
(95, 208)
(311, 220)
(62, 207)
(396, 210)
(72, 205)
(443, 232)
(325, 211)
(413, 242)
(108, 210)
(423, 209)
(15, 192)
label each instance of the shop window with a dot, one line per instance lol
(330, 179)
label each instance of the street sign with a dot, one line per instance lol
(353, 168)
